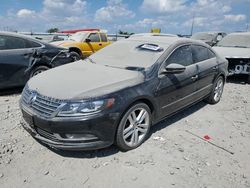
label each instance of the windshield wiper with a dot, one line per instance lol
(135, 68)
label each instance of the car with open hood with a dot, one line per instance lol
(22, 57)
(211, 37)
(235, 47)
(118, 93)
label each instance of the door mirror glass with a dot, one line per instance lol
(174, 68)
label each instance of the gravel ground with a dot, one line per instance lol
(173, 156)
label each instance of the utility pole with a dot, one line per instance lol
(192, 26)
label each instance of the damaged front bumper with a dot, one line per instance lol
(238, 66)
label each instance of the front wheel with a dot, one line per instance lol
(75, 56)
(38, 70)
(217, 91)
(134, 127)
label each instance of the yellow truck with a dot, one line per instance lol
(85, 43)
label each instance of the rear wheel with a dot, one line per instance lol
(217, 91)
(134, 127)
(38, 70)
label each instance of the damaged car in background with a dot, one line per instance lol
(235, 47)
(116, 94)
(85, 43)
(211, 37)
(22, 57)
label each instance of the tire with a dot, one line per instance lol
(75, 56)
(217, 91)
(133, 131)
(38, 70)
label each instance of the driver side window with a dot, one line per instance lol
(182, 56)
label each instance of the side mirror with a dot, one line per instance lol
(87, 40)
(174, 69)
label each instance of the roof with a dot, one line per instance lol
(162, 40)
(153, 34)
(211, 32)
(240, 33)
(138, 51)
(13, 34)
(28, 37)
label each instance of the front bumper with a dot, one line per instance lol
(97, 131)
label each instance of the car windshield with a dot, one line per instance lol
(203, 36)
(78, 37)
(129, 54)
(235, 40)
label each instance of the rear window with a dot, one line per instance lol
(33, 44)
(103, 37)
(201, 53)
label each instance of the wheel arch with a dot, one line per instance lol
(223, 75)
(76, 49)
(143, 99)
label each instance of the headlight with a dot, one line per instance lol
(85, 108)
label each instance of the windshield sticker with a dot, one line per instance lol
(152, 47)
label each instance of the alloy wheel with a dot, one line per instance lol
(218, 90)
(136, 127)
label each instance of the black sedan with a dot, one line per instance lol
(118, 93)
(22, 57)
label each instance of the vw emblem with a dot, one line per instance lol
(32, 98)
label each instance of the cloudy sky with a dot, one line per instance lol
(172, 16)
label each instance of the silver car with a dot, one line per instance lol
(235, 47)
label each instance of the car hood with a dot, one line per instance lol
(63, 43)
(231, 52)
(83, 80)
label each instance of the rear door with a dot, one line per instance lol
(177, 90)
(14, 60)
(206, 62)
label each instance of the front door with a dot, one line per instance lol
(176, 90)
(94, 45)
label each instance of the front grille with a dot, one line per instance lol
(44, 106)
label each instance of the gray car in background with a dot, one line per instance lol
(211, 38)
(235, 47)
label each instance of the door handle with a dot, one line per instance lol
(100, 44)
(194, 77)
